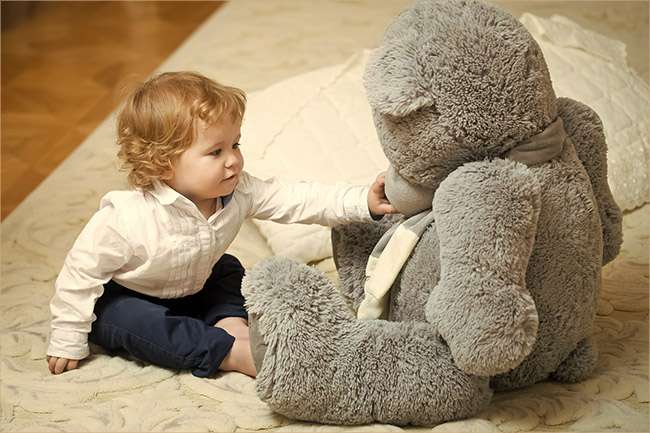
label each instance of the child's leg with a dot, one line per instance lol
(221, 304)
(221, 295)
(151, 330)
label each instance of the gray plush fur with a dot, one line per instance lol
(503, 285)
(458, 78)
(586, 131)
(486, 219)
(321, 364)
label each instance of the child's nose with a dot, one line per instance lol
(232, 160)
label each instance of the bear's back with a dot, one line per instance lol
(563, 274)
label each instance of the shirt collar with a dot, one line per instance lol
(165, 194)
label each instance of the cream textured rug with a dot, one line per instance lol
(252, 45)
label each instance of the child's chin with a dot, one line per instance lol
(228, 189)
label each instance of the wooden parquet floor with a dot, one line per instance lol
(64, 65)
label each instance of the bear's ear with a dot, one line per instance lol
(396, 74)
(394, 82)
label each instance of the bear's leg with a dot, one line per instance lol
(579, 364)
(321, 364)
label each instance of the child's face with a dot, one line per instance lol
(210, 167)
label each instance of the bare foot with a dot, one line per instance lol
(240, 357)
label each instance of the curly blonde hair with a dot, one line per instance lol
(159, 121)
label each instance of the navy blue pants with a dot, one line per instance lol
(174, 333)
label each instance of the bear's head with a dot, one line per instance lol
(453, 82)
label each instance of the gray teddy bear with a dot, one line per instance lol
(490, 279)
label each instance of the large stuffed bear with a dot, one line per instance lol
(490, 279)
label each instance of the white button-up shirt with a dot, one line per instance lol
(158, 243)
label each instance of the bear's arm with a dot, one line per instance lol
(486, 215)
(585, 129)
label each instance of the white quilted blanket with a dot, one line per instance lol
(315, 126)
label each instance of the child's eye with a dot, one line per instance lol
(215, 152)
(236, 145)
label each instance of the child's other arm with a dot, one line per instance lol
(99, 251)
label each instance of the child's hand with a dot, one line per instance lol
(378, 204)
(59, 365)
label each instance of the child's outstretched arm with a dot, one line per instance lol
(314, 203)
(97, 253)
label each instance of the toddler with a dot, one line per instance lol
(149, 274)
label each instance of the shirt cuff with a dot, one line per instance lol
(68, 344)
(355, 204)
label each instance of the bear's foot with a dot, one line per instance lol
(580, 363)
